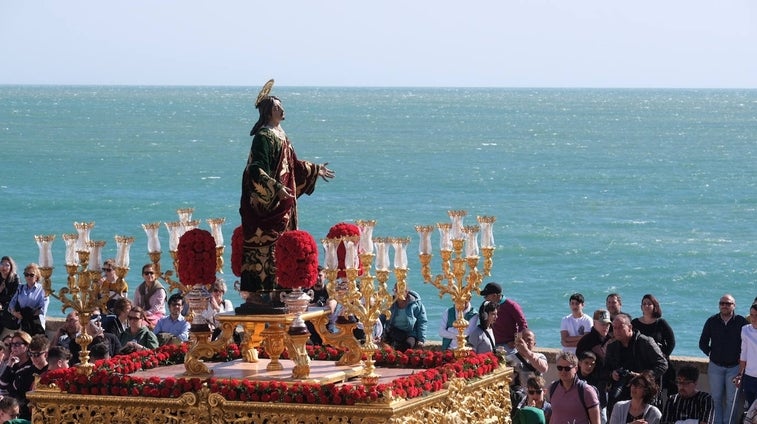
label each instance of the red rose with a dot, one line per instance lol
(296, 257)
(197, 260)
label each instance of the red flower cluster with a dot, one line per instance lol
(344, 229)
(296, 256)
(197, 258)
(237, 251)
(110, 377)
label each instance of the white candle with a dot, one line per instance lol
(83, 229)
(382, 255)
(185, 214)
(215, 229)
(366, 235)
(71, 257)
(457, 223)
(174, 228)
(349, 254)
(95, 255)
(45, 244)
(153, 241)
(333, 262)
(124, 244)
(471, 243)
(400, 253)
(424, 236)
(487, 230)
(445, 242)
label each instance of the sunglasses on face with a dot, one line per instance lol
(148, 273)
(107, 269)
(564, 368)
(28, 275)
(18, 344)
(135, 318)
(36, 354)
(535, 392)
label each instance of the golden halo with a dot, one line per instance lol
(265, 92)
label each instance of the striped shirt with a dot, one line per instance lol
(699, 407)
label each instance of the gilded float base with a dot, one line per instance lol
(486, 400)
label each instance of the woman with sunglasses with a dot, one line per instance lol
(29, 305)
(8, 287)
(535, 399)
(150, 296)
(137, 336)
(216, 305)
(17, 365)
(638, 410)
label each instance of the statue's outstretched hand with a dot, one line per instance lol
(325, 173)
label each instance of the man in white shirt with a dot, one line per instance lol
(575, 325)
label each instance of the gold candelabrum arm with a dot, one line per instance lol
(459, 278)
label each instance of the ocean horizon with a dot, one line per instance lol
(595, 191)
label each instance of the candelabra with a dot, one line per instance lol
(83, 292)
(460, 282)
(196, 295)
(365, 301)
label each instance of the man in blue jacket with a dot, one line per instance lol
(406, 328)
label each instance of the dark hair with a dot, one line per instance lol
(139, 310)
(99, 351)
(536, 382)
(754, 306)
(614, 295)
(650, 387)
(8, 402)
(689, 372)
(577, 297)
(145, 266)
(265, 107)
(484, 310)
(120, 305)
(14, 268)
(175, 297)
(39, 343)
(56, 353)
(656, 310)
(587, 354)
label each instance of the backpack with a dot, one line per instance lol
(580, 386)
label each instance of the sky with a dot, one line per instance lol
(385, 43)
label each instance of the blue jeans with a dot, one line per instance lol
(749, 388)
(723, 392)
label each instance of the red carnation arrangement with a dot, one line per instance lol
(296, 257)
(237, 248)
(197, 258)
(344, 229)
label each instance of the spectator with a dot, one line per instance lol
(575, 325)
(629, 355)
(99, 336)
(29, 305)
(510, 317)
(597, 339)
(10, 410)
(652, 324)
(57, 357)
(689, 403)
(117, 323)
(138, 336)
(573, 401)
(481, 339)
(173, 326)
(614, 304)
(66, 334)
(406, 328)
(5, 351)
(109, 286)
(526, 363)
(8, 287)
(150, 296)
(216, 305)
(449, 333)
(15, 378)
(747, 378)
(721, 341)
(535, 397)
(638, 410)
(99, 351)
(590, 372)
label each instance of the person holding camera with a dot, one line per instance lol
(628, 356)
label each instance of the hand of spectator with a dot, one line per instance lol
(410, 341)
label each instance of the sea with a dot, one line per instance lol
(594, 191)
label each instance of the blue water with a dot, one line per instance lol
(595, 191)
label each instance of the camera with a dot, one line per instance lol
(622, 373)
